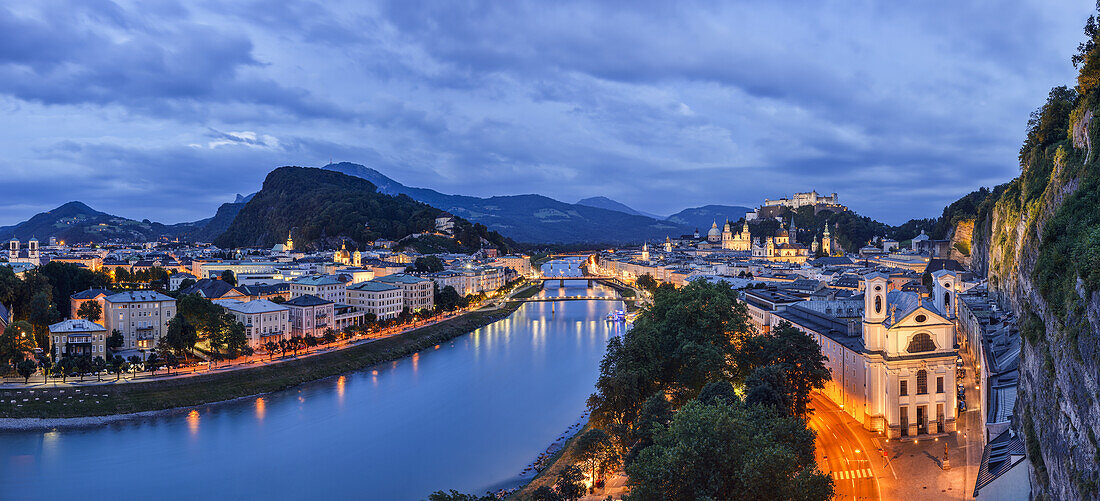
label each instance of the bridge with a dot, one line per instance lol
(589, 278)
(564, 298)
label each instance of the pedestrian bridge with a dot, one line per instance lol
(564, 298)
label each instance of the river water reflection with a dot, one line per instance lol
(467, 415)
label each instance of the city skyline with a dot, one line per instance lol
(166, 113)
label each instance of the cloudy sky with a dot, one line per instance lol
(166, 111)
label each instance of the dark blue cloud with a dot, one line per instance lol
(166, 110)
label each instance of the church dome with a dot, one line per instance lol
(781, 233)
(714, 231)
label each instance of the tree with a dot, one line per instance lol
(797, 354)
(427, 264)
(454, 495)
(448, 299)
(570, 483)
(647, 282)
(90, 311)
(767, 386)
(596, 452)
(99, 365)
(41, 313)
(15, 343)
(115, 340)
(271, 348)
(653, 418)
(545, 493)
(117, 365)
(134, 363)
(728, 451)
(716, 390)
(62, 367)
(83, 365)
(26, 368)
(152, 363)
(181, 335)
(228, 277)
(686, 339)
(330, 336)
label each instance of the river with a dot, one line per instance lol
(468, 415)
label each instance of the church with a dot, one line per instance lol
(893, 369)
(741, 241)
(781, 248)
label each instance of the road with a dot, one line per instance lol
(846, 451)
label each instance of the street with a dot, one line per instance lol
(846, 451)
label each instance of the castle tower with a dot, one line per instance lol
(875, 311)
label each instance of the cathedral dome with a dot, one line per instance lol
(714, 231)
(781, 233)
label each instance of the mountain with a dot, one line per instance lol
(321, 208)
(76, 222)
(243, 199)
(703, 217)
(609, 204)
(210, 228)
(529, 218)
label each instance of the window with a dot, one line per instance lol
(939, 384)
(878, 304)
(920, 343)
(922, 382)
(904, 388)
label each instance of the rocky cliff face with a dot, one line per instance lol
(1034, 247)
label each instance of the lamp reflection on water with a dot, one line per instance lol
(261, 408)
(193, 422)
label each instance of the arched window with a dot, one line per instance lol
(947, 301)
(878, 304)
(922, 382)
(920, 343)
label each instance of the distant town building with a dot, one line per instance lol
(78, 337)
(310, 316)
(263, 320)
(418, 293)
(384, 301)
(328, 287)
(141, 316)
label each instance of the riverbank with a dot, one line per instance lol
(53, 407)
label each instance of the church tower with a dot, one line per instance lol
(289, 242)
(13, 249)
(668, 244)
(645, 251)
(875, 306)
(32, 249)
(827, 242)
(943, 291)
(727, 235)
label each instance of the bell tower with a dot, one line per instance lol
(943, 291)
(875, 311)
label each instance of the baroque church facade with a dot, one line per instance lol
(893, 369)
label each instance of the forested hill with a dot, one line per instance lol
(323, 207)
